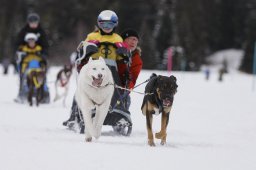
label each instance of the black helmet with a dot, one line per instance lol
(33, 17)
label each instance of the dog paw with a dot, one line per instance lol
(88, 139)
(163, 142)
(151, 143)
(160, 135)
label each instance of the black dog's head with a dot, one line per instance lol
(166, 87)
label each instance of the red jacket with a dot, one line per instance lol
(134, 70)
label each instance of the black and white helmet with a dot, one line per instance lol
(30, 36)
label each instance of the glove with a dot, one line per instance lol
(38, 53)
(124, 53)
(121, 44)
(21, 54)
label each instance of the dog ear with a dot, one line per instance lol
(101, 59)
(90, 59)
(151, 86)
(153, 75)
(174, 78)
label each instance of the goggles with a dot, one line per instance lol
(33, 20)
(31, 39)
(106, 25)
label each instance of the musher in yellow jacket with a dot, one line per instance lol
(30, 51)
(103, 42)
(30, 55)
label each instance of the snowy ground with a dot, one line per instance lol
(212, 127)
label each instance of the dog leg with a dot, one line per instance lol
(30, 92)
(149, 120)
(162, 134)
(88, 126)
(57, 93)
(37, 96)
(86, 106)
(96, 122)
(65, 96)
(101, 113)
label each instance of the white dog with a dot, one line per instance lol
(94, 90)
(62, 83)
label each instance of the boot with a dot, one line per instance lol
(72, 118)
(73, 114)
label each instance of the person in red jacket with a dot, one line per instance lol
(131, 38)
(129, 75)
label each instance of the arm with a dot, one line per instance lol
(43, 41)
(130, 73)
(20, 39)
(135, 68)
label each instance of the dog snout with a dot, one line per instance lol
(99, 75)
(167, 97)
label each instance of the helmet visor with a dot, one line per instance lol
(106, 25)
(33, 19)
(31, 39)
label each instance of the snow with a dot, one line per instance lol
(212, 127)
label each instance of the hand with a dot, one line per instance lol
(121, 44)
(38, 53)
(21, 54)
(124, 53)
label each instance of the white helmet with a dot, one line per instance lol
(107, 19)
(30, 36)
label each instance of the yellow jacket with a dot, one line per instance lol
(31, 54)
(105, 51)
(29, 50)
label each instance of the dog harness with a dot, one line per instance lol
(98, 87)
(37, 84)
(158, 102)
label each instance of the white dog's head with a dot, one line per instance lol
(98, 72)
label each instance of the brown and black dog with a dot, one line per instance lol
(35, 81)
(159, 96)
